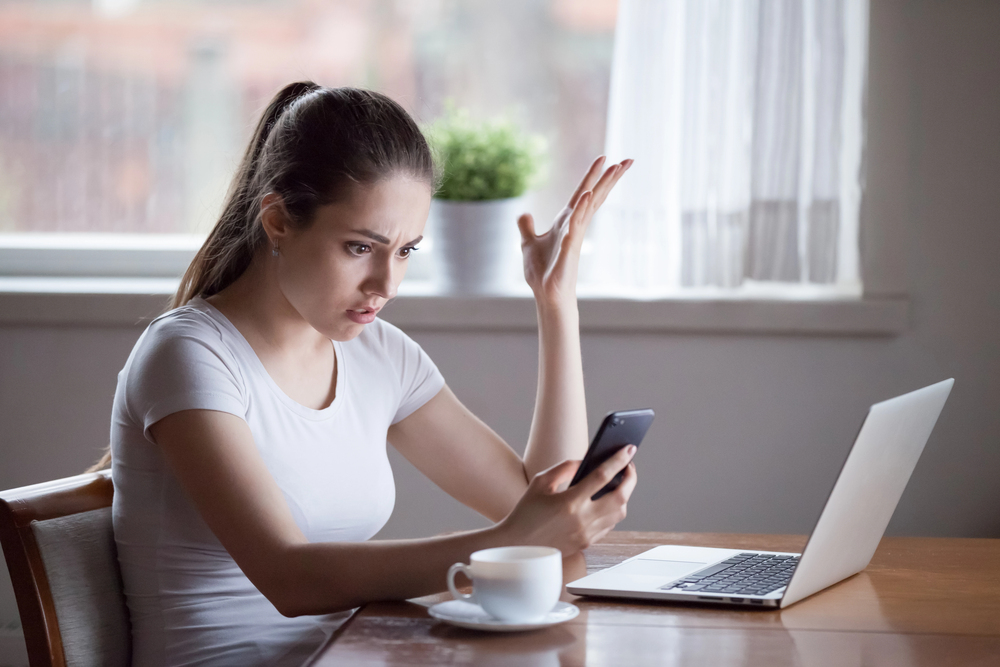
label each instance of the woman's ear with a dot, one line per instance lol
(274, 218)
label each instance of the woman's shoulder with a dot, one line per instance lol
(192, 319)
(183, 336)
(183, 361)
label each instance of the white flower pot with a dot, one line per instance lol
(477, 244)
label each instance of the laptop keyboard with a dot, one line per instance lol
(743, 574)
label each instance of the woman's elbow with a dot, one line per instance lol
(288, 606)
(294, 596)
(291, 603)
(294, 586)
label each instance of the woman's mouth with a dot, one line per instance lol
(362, 315)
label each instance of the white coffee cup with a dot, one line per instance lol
(513, 584)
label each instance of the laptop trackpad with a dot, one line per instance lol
(665, 569)
(641, 574)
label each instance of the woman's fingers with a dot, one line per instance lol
(592, 177)
(564, 239)
(582, 211)
(605, 472)
(526, 225)
(588, 181)
(574, 232)
(611, 508)
(629, 480)
(581, 214)
(605, 185)
(609, 503)
(550, 514)
(558, 476)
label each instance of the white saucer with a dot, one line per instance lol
(468, 615)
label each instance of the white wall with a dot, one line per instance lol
(750, 430)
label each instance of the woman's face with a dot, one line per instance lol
(339, 271)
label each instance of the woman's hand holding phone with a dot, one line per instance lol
(550, 514)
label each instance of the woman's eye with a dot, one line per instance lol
(406, 252)
(358, 248)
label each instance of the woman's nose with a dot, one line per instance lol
(380, 281)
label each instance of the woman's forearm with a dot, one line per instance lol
(559, 426)
(315, 578)
(551, 265)
(326, 577)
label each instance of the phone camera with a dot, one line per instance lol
(617, 421)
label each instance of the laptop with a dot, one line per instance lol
(852, 522)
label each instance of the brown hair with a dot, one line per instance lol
(311, 145)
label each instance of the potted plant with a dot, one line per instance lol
(486, 167)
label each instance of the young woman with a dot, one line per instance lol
(249, 430)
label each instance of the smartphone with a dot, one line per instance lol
(627, 427)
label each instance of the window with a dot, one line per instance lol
(127, 118)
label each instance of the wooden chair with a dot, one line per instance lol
(60, 550)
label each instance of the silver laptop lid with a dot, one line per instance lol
(866, 493)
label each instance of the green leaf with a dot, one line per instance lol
(483, 159)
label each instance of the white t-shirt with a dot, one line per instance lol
(189, 603)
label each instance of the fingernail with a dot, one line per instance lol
(631, 450)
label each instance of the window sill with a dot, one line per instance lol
(133, 302)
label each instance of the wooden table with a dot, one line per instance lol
(922, 601)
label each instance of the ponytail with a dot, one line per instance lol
(231, 245)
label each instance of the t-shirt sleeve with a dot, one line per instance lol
(419, 378)
(182, 365)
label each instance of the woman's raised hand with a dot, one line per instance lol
(552, 259)
(549, 514)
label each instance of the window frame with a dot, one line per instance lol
(127, 281)
(83, 255)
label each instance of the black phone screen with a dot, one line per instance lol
(627, 427)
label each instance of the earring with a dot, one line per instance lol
(274, 251)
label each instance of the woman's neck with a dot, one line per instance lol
(257, 308)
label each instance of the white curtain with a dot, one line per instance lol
(745, 120)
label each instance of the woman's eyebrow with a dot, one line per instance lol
(378, 238)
